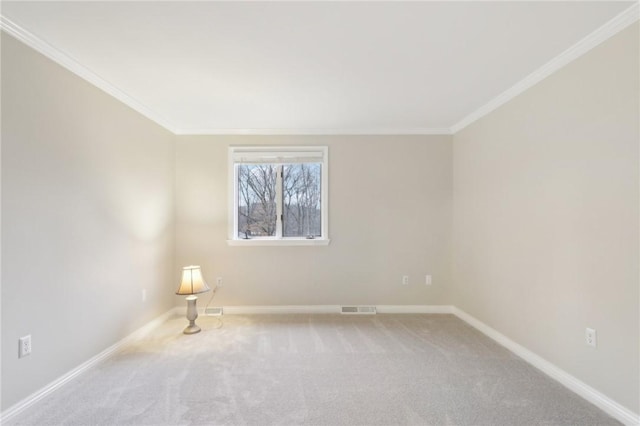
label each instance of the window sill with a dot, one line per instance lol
(279, 242)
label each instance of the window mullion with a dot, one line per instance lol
(279, 202)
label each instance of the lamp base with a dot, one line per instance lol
(192, 314)
(192, 329)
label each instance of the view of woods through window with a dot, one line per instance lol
(296, 187)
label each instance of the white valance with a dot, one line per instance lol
(280, 155)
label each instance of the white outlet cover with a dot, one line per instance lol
(428, 280)
(24, 346)
(591, 337)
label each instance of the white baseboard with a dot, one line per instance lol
(414, 309)
(323, 309)
(282, 309)
(262, 309)
(60, 381)
(603, 402)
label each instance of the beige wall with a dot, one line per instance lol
(390, 215)
(546, 215)
(87, 220)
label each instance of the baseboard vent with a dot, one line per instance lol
(354, 310)
(214, 311)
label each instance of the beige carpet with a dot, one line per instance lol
(315, 370)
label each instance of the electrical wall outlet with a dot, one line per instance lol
(427, 280)
(405, 280)
(591, 337)
(144, 294)
(219, 282)
(24, 346)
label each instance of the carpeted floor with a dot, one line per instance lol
(315, 370)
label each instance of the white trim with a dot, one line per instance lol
(62, 380)
(281, 309)
(414, 309)
(322, 309)
(232, 216)
(61, 58)
(611, 28)
(281, 154)
(335, 309)
(279, 242)
(66, 61)
(603, 402)
(320, 154)
(319, 132)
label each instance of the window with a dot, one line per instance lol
(279, 196)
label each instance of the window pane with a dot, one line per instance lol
(301, 194)
(256, 200)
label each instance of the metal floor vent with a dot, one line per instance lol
(213, 311)
(355, 310)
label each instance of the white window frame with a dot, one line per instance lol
(277, 155)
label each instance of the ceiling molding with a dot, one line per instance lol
(615, 25)
(61, 58)
(319, 132)
(611, 28)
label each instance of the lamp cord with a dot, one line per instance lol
(213, 294)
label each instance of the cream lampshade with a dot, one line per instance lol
(191, 284)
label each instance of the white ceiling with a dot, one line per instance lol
(308, 67)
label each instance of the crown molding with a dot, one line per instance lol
(13, 29)
(614, 26)
(606, 31)
(310, 132)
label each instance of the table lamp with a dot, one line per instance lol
(192, 283)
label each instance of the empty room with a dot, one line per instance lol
(320, 213)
